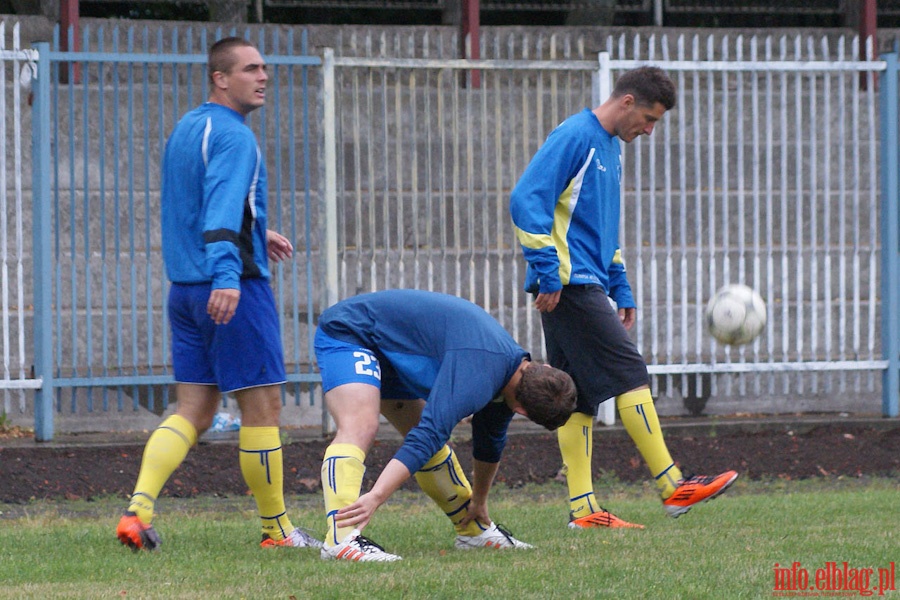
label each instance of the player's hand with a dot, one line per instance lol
(221, 305)
(477, 511)
(628, 316)
(278, 247)
(359, 513)
(547, 302)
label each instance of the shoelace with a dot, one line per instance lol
(506, 533)
(698, 479)
(367, 545)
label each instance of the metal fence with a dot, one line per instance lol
(393, 169)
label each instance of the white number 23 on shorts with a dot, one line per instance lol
(367, 365)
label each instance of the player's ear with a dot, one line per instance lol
(218, 79)
(519, 410)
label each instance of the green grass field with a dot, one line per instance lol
(727, 548)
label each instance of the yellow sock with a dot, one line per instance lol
(576, 440)
(342, 474)
(164, 452)
(262, 465)
(641, 422)
(443, 479)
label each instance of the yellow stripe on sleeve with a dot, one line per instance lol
(534, 241)
(562, 218)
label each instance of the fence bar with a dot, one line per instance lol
(890, 235)
(773, 367)
(331, 242)
(606, 413)
(43, 259)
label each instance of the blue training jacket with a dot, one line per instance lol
(214, 200)
(447, 351)
(565, 209)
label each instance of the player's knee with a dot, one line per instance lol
(359, 431)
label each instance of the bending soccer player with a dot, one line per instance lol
(425, 361)
(225, 332)
(565, 209)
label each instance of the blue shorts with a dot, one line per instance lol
(344, 362)
(244, 353)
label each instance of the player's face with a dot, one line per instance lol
(638, 120)
(244, 85)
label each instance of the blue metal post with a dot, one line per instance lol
(890, 234)
(42, 240)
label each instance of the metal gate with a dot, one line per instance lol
(101, 119)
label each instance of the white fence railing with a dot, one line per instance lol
(766, 172)
(15, 279)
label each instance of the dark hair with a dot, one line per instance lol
(547, 394)
(648, 85)
(221, 58)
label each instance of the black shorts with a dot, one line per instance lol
(586, 339)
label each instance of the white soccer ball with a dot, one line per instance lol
(736, 314)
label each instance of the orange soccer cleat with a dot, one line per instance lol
(696, 489)
(136, 534)
(601, 518)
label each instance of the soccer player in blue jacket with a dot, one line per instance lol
(565, 209)
(425, 361)
(225, 332)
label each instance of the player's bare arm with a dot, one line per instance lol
(360, 512)
(482, 480)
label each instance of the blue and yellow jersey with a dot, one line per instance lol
(213, 200)
(445, 350)
(565, 209)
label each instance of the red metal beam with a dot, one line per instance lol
(868, 25)
(868, 28)
(470, 36)
(68, 18)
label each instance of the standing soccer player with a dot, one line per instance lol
(565, 209)
(225, 332)
(425, 361)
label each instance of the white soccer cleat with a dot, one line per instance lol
(357, 548)
(494, 536)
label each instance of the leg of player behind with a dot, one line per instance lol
(443, 479)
